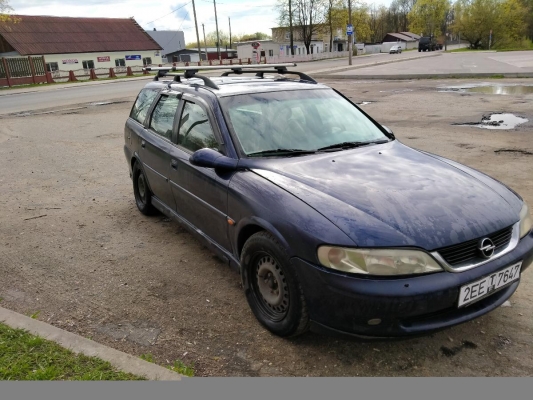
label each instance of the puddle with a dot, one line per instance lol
(514, 151)
(106, 103)
(487, 88)
(498, 121)
(396, 91)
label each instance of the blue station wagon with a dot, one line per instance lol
(333, 224)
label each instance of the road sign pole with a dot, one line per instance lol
(350, 36)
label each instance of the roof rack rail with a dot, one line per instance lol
(192, 72)
(238, 70)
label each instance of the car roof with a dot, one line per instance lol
(236, 85)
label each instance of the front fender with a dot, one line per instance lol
(254, 200)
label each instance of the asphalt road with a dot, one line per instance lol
(450, 63)
(70, 94)
(18, 100)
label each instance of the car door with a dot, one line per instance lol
(155, 147)
(200, 193)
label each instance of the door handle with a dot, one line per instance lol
(143, 144)
(174, 164)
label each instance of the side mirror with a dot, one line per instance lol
(210, 158)
(389, 131)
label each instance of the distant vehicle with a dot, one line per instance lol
(427, 43)
(396, 49)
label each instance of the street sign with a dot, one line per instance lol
(349, 29)
(255, 45)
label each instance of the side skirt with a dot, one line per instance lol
(213, 246)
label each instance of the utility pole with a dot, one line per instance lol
(350, 36)
(205, 43)
(229, 21)
(290, 27)
(216, 23)
(197, 35)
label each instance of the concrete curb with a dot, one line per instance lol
(461, 75)
(78, 344)
(374, 64)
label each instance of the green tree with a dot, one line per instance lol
(427, 16)
(475, 19)
(5, 8)
(252, 36)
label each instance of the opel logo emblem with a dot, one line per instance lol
(486, 247)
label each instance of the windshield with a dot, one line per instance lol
(297, 120)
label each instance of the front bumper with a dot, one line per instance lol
(343, 304)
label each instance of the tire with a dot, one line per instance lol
(272, 287)
(141, 191)
(419, 50)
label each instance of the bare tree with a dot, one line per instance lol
(308, 18)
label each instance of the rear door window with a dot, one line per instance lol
(163, 115)
(142, 104)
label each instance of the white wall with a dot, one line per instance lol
(80, 57)
(244, 51)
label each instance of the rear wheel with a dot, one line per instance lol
(272, 288)
(143, 196)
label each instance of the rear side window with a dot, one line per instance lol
(163, 116)
(142, 104)
(195, 130)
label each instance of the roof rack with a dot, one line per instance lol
(192, 72)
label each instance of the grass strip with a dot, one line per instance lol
(24, 356)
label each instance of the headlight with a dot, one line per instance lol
(377, 261)
(526, 221)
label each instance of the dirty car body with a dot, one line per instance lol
(368, 237)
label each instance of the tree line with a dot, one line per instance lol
(482, 23)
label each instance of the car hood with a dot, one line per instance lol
(393, 195)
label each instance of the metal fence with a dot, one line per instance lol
(307, 57)
(23, 71)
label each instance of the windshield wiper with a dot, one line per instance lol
(276, 152)
(350, 145)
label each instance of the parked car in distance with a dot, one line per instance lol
(333, 224)
(427, 43)
(396, 49)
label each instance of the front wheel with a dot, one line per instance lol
(272, 288)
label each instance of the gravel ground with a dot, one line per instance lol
(74, 248)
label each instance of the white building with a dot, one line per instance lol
(79, 43)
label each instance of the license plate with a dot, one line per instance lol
(483, 287)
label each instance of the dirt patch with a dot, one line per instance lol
(97, 267)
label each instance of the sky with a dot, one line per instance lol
(247, 16)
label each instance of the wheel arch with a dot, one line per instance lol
(250, 226)
(136, 159)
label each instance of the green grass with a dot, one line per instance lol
(179, 366)
(27, 357)
(464, 50)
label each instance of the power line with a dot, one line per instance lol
(248, 6)
(172, 12)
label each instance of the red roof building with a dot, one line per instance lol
(93, 42)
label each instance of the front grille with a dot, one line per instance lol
(468, 251)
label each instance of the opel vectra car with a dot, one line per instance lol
(333, 223)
